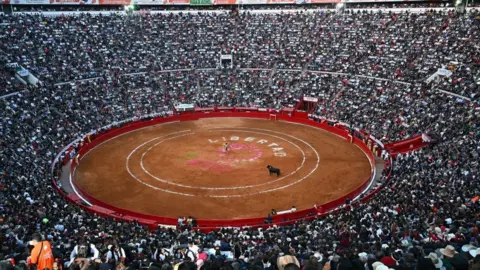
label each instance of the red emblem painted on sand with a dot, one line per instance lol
(238, 155)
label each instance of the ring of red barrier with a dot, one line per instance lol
(104, 209)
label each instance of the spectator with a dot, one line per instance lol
(455, 259)
(41, 254)
(286, 259)
(84, 250)
(115, 255)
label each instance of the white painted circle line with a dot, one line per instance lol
(146, 184)
(223, 188)
(233, 195)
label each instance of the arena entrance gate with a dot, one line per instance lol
(307, 105)
(226, 61)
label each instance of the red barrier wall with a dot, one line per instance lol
(405, 146)
(105, 209)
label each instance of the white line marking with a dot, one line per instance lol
(120, 135)
(148, 185)
(372, 166)
(90, 150)
(73, 187)
(316, 128)
(224, 188)
(372, 179)
(233, 195)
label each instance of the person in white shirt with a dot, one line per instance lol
(180, 221)
(115, 253)
(84, 250)
(194, 248)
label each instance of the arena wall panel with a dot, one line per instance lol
(405, 146)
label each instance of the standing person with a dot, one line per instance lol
(194, 248)
(41, 254)
(186, 254)
(226, 147)
(115, 255)
(456, 260)
(84, 250)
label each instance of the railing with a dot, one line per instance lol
(279, 70)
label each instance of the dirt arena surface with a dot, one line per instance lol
(181, 168)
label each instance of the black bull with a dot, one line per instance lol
(273, 170)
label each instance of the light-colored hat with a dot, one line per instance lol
(467, 248)
(362, 254)
(375, 265)
(450, 236)
(474, 252)
(319, 256)
(435, 260)
(448, 251)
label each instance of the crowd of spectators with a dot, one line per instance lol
(426, 217)
(305, 6)
(406, 46)
(8, 81)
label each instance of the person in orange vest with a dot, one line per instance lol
(41, 254)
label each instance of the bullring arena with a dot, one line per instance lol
(159, 169)
(239, 135)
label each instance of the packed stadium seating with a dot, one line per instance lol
(366, 68)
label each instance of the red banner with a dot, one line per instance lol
(224, 2)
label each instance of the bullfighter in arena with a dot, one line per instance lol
(226, 147)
